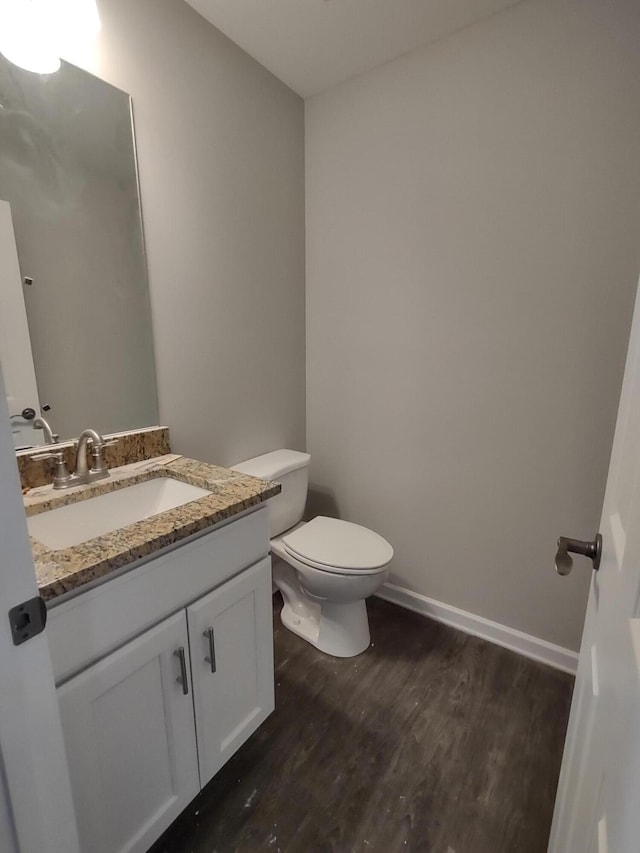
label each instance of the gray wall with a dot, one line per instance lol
(221, 160)
(473, 224)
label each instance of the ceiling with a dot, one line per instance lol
(312, 45)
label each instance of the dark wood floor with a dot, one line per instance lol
(430, 741)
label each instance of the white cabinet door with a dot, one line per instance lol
(231, 636)
(130, 737)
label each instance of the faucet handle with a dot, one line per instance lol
(62, 476)
(46, 454)
(99, 466)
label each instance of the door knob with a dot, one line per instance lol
(564, 562)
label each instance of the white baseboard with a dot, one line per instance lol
(524, 644)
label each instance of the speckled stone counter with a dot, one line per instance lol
(68, 569)
(131, 446)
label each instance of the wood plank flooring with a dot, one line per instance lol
(431, 742)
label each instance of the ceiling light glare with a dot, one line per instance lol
(24, 39)
(73, 23)
(35, 33)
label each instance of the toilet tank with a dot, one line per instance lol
(290, 468)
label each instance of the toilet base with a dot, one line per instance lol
(338, 629)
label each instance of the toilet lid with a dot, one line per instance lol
(338, 545)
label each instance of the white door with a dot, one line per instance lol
(598, 803)
(130, 736)
(231, 637)
(36, 812)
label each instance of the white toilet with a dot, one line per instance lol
(324, 568)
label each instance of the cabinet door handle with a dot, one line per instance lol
(211, 658)
(182, 678)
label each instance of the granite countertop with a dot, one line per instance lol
(68, 569)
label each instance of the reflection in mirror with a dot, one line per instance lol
(68, 173)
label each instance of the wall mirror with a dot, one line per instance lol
(74, 296)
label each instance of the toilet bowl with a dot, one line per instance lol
(324, 568)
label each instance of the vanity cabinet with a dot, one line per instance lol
(149, 723)
(131, 742)
(231, 639)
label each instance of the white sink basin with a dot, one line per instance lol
(75, 523)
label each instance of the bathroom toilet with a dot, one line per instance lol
(324, 568)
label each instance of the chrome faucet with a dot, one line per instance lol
(49, 436)
(63, 478)
(98, 468)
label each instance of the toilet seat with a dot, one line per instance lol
(339, 547)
